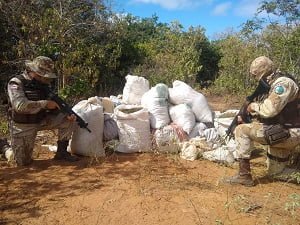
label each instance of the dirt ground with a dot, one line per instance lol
(147, 188)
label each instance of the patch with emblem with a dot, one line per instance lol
(279, 90)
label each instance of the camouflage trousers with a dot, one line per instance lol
(247, 134)
(23, 135)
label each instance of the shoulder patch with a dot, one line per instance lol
(279, 89)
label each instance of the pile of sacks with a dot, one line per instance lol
(177, 120)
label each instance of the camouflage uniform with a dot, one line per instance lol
(283, 90)
(22, 134)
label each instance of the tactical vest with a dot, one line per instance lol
(289, 117)
(33, 93)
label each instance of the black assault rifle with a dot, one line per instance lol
(63, 106)
(262, 88)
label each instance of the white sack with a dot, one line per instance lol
(134, 89)
(159, 112)
(189, 151)
(222, 124)
(117, 100)
(110, 130)
(211, 135)
(224, 152)
(156, 101)
(166, 135)
(221, 154)
(83, 142)
(134, 128)
(183, 116)
(198, 130)
(201, 109)
(223, 121)
(201, 144)
(167, 140)
(160, 91)
(183, 93)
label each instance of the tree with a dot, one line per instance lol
(208, 57)
(277, 33)
(169, 56)
(236, 56)
(76, 29)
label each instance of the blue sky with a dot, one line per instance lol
(216, 16)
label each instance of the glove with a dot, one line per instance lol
(211, 134)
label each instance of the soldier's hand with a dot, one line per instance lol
(71, 118)
(52, 105)
(240, 120)
(249, 109)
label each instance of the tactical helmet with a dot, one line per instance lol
(42, 65)
(261, 66)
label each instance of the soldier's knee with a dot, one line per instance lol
(242, 130)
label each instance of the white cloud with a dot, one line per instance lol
(246, 8)
(174, 4)
(222, 9)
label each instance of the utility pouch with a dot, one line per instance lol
(275, 134)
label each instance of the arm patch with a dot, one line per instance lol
(279, 90)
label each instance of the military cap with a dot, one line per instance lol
(261, 66)
(42, 65)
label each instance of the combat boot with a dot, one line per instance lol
(244, 176)
(63, 154)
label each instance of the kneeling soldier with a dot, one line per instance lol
(30, 111)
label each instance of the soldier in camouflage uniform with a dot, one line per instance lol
(30, 112)
(279, 106)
